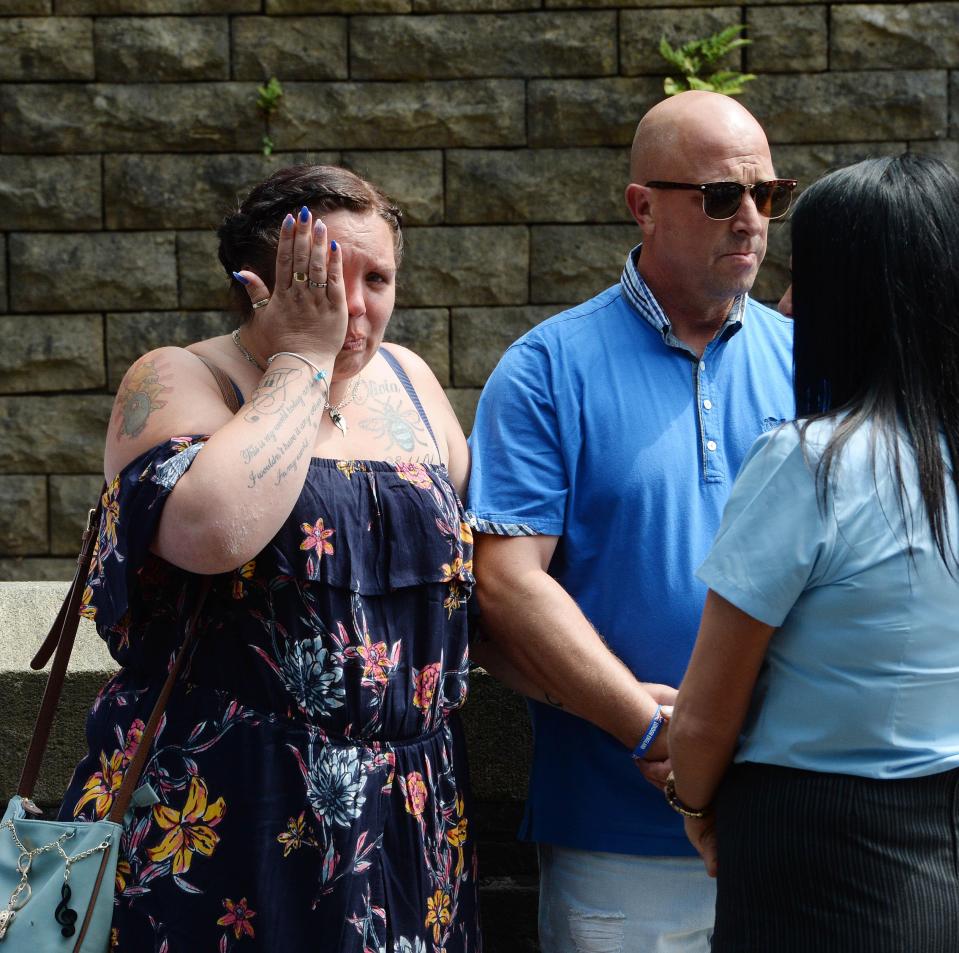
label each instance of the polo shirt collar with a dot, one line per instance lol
(638, 294)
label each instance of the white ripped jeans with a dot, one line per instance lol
(594, 902)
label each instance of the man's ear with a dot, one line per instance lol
(638, 203)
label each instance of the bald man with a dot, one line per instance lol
(604, 448)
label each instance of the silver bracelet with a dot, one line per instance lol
(318, 375)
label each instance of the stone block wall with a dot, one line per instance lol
(128, 127)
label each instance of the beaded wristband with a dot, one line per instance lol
(318, 375)
(672, 799)
(658, 720)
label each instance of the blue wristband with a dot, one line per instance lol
(659, 719)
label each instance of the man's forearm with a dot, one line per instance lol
(542, 632)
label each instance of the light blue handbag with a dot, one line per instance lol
(57, 877)
(50, 873)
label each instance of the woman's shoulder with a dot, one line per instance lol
(164, 365)
(438, 409)
(423, 380)
(165, 392)
(418, 371)
(805, 438)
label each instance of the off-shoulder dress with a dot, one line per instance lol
(308, 787)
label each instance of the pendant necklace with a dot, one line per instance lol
(334, 411)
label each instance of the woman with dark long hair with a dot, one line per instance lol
(827, 664)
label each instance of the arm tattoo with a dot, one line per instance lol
(139, 397)
(290, 428)
(270, 394)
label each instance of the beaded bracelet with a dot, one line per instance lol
(672, 799)
(658, 720)
(318, 375)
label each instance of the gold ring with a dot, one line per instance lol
(299, 276)
(260, 304)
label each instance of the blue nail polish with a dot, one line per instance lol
(333, 245)
(304, 214)
(240, 278)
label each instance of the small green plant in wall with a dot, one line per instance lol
(268, 101)
(695, 58)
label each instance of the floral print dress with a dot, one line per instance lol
(307, 789)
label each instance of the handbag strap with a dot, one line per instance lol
(62, 635)
(59, 640)
(131, 777)
(54, 689)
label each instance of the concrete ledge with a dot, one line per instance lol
(27, 610)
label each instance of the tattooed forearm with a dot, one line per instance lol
(139, 396)
(280, 448)
(271, 393)
(292, 465)
(250, 452)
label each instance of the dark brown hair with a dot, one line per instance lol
(248, 236)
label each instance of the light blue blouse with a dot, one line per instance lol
(862, 675)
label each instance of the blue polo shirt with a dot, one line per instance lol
(599, 426)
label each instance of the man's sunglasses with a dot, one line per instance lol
(721, 200)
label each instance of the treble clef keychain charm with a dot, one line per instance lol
(64, 914)
(66, 917)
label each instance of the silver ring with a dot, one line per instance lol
(317, 284)
(299, 276)
(262, 303)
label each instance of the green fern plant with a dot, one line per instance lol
(696, 57)
(267, 102)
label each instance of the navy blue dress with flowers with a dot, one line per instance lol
(309, 774)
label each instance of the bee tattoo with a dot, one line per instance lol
(400, 427)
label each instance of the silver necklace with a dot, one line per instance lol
(334, 412)
(236, 340)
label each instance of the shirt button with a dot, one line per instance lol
(710, 445)
(708, 404)
(702, 365)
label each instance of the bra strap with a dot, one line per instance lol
(232, 395)
(414, 397)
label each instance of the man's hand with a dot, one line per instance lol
(701, 832)
(657, 753)
(655, 772)
(663, 694)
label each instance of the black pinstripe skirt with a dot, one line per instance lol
(830, 863)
